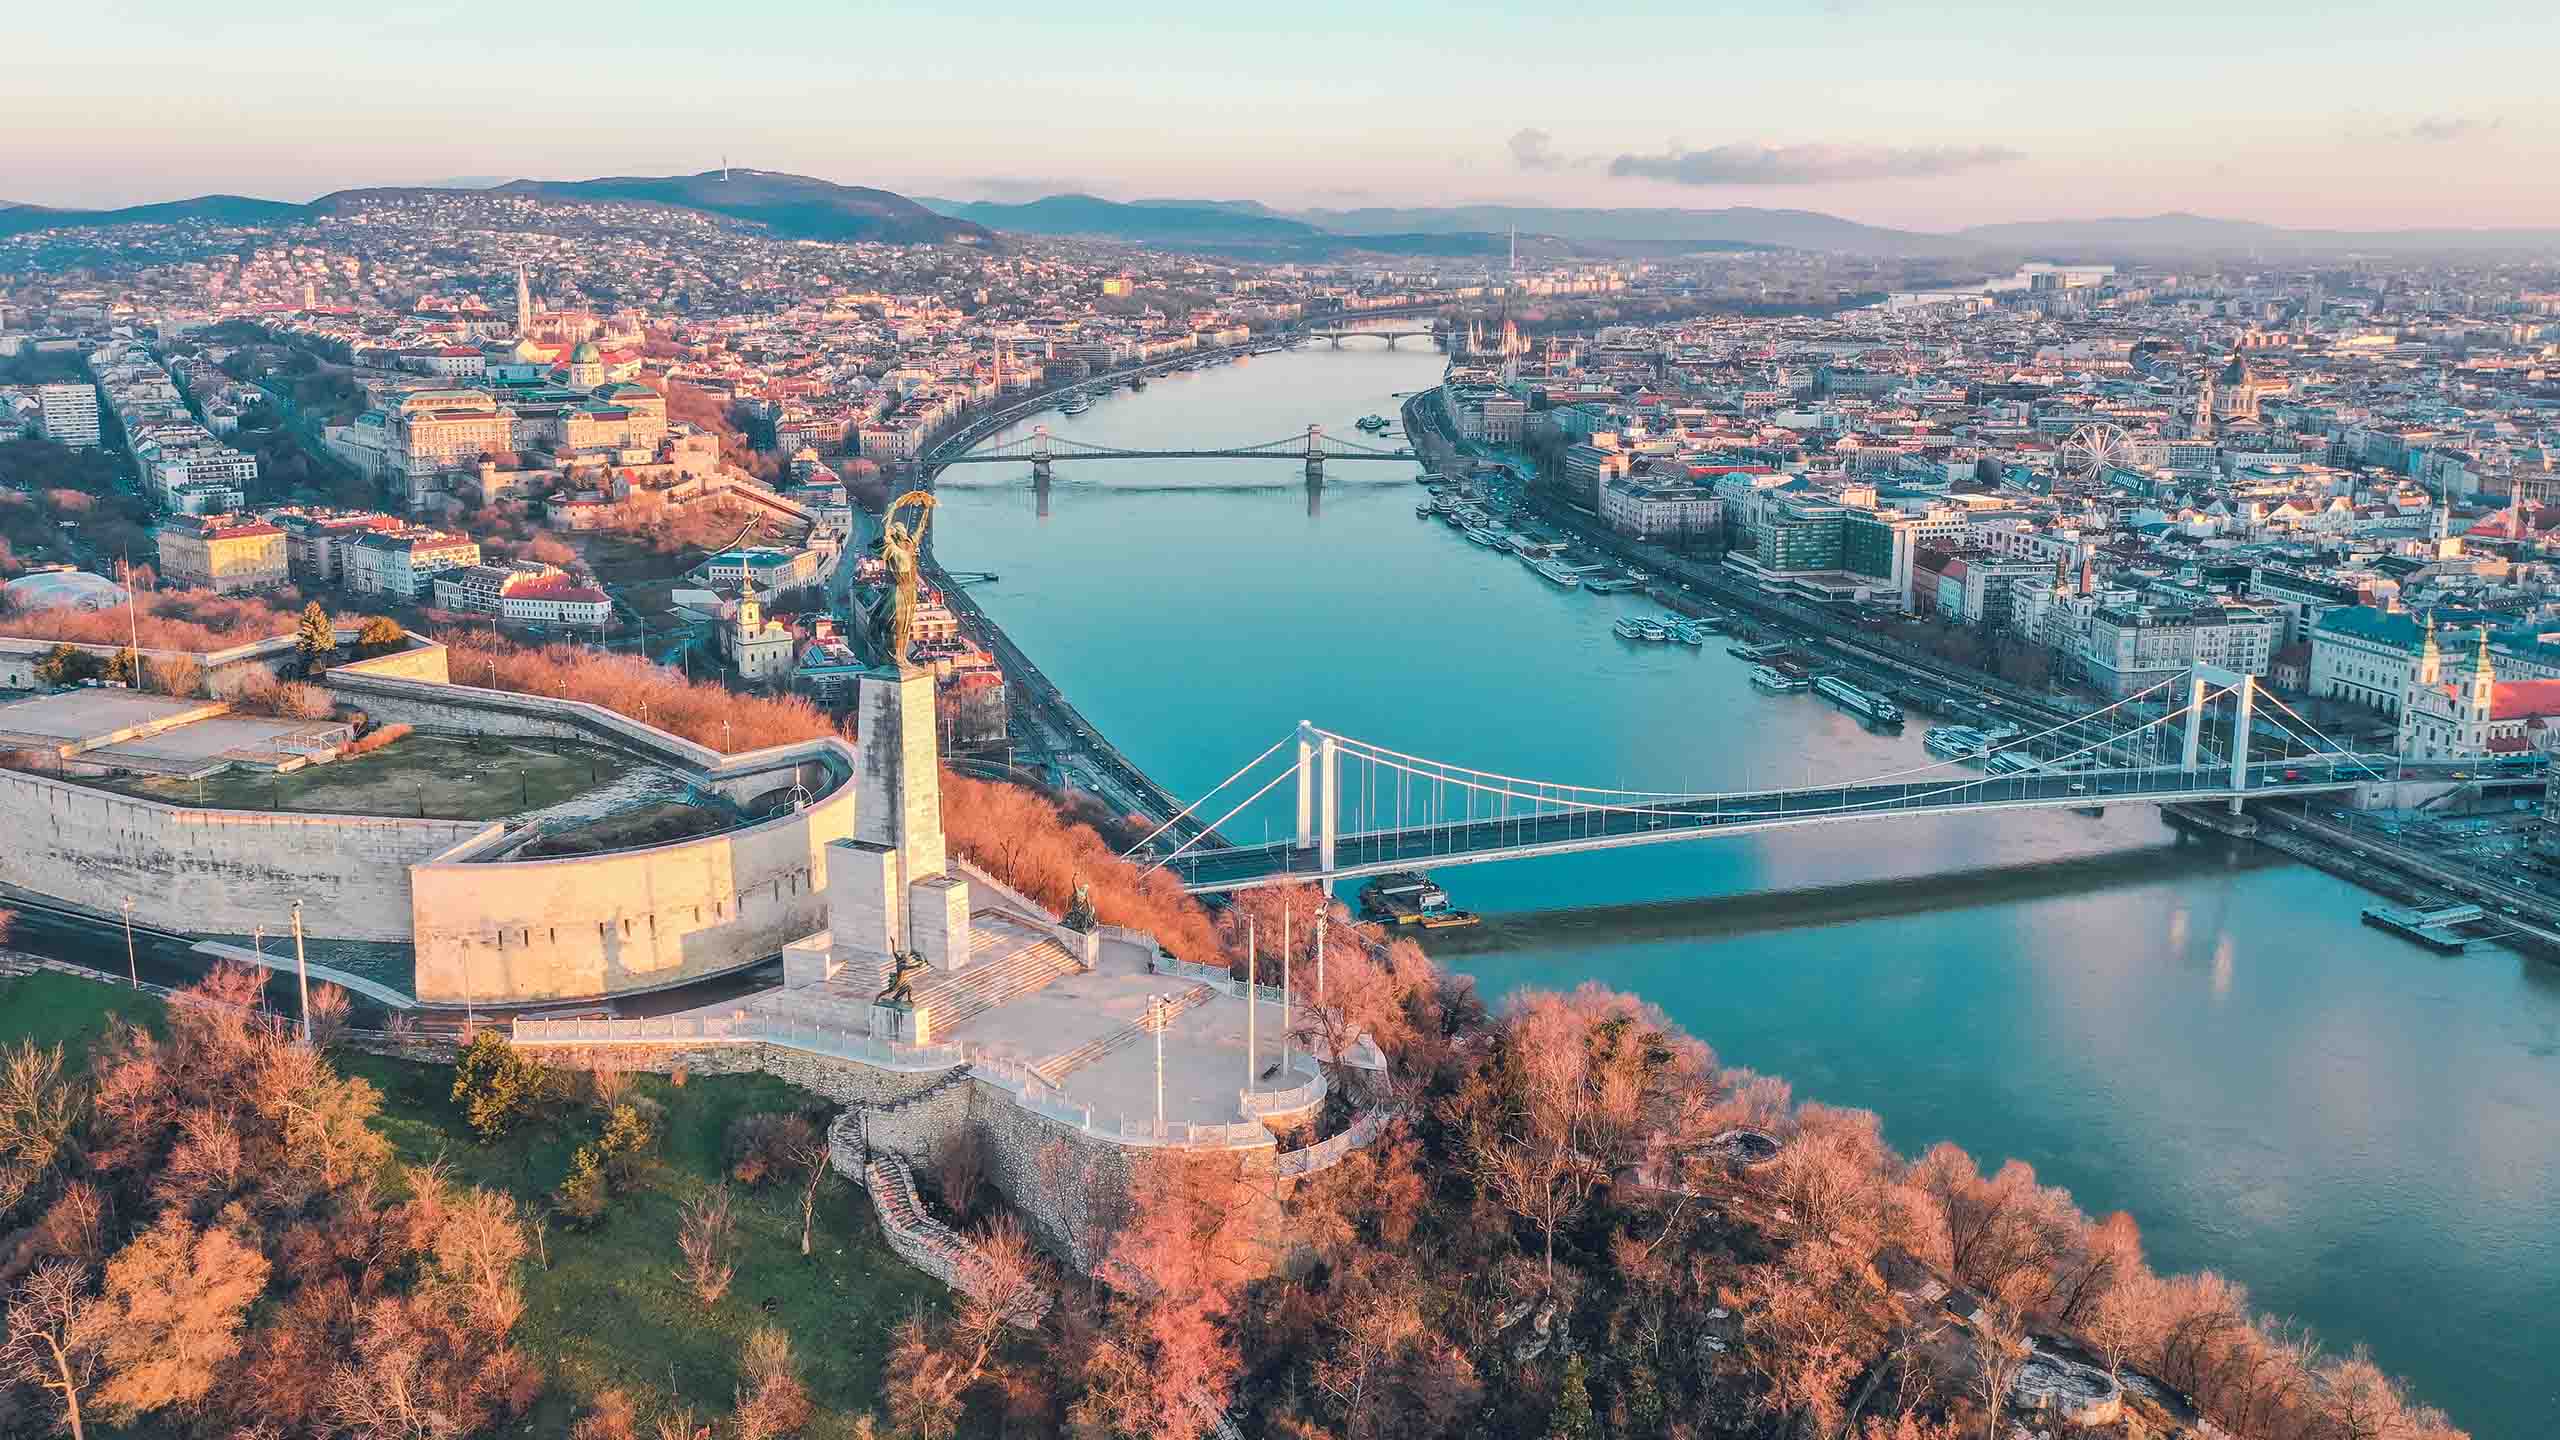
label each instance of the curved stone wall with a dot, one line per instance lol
(624, 921)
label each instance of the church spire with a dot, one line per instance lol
(2484, 678)
(524, 305)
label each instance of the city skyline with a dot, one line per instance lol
(1888, 116)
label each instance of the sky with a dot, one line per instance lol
(2343, 113)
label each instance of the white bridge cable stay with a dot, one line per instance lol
(1904, 800)
(1452, 772)
(2334, 747)
(1176, 852)
(1178, 816)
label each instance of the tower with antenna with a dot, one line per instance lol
(1515, 249)
(724, 166)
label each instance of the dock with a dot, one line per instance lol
(2431, 928)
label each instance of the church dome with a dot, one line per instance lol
(586, 354)
(2236, 373)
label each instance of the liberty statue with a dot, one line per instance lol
(896, 629)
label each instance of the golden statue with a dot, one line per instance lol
(898, 545)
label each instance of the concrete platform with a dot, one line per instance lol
(84, 717)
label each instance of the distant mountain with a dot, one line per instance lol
(1239, 228)
(1240, 207)
(1646, 231)
(468, 182)
(220, 209)
(800, 207)
(2178, 233)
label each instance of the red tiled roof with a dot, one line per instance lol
(2524, 699)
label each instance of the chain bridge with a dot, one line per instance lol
(1040, 450)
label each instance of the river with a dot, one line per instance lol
(2363, 1132)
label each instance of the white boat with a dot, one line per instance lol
(1485, 536)
(1776, 682)
(1629, 628)
(1559, 572)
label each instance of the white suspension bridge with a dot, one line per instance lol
(1366, 809)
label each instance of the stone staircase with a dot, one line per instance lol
(1004, 961)
(927, 1243)
(1066, 1062)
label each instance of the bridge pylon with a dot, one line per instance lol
(1040, 452)
(1315, 453)
(2243, 689)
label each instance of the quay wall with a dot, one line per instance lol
(226, 872)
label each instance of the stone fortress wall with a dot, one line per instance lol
(217, 872)
(484, 927)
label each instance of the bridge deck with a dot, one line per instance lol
(1467, 841)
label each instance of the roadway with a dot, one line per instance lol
(1553, 832)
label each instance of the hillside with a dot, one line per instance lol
(18, 219)
(798, 206)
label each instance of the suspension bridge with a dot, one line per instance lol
(1365, 809)
(1041, 449)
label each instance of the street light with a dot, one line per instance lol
(132, 971)
(301, 974)
(1155, 1012)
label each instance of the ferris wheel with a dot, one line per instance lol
(2090, 449)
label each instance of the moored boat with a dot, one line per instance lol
(1776, 682)
(1859, 702)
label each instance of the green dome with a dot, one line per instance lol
(586, 354)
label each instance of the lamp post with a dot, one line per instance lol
(301, 974)
(1252, 992)
(1155, 1011)
(1284, 996)
(132, 971)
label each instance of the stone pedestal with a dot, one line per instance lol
(938, 914)
(905, 1024)
(899, 776)
(866, 899)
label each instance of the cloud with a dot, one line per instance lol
(1747, 164)
(1535, 150)
(2442, 129)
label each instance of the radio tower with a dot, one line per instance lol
(1515, 249)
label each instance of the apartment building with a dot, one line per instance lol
(222, 552)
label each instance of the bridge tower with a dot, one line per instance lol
(1315, 454)
(1319, 792)
(1040, 454)
(2244, 697)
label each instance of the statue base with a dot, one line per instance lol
(902, 1024)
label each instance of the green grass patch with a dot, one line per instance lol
(53, 1009)
(444, 777)
(609, 1310)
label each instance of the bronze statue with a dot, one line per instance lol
(904, 967)
(898, 544)
(1080, 914)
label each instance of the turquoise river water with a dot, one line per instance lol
(2364, 1133)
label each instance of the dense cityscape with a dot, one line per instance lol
(616, 820)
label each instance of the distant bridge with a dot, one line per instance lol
(1364, 809)
(1042, 449)
(1337, 336)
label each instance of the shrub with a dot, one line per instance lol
(630, 1140)
(385, 736)
(380, 635)
(583, 1193)
(628, 685)
(499, 1087)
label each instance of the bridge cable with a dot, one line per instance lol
(1176, 852)
(1564, 804)
(1178, 815)
(2012, 743)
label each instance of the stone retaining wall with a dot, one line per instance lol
(202, 872)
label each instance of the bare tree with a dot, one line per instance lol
(46, 1344)
(39, 1108)
(330, 1007)
(811, 1153)
(773, 1402)
(1009, 1288)
(705, 1235)
(1999, 1348)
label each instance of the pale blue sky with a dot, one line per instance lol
(2356, 112)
